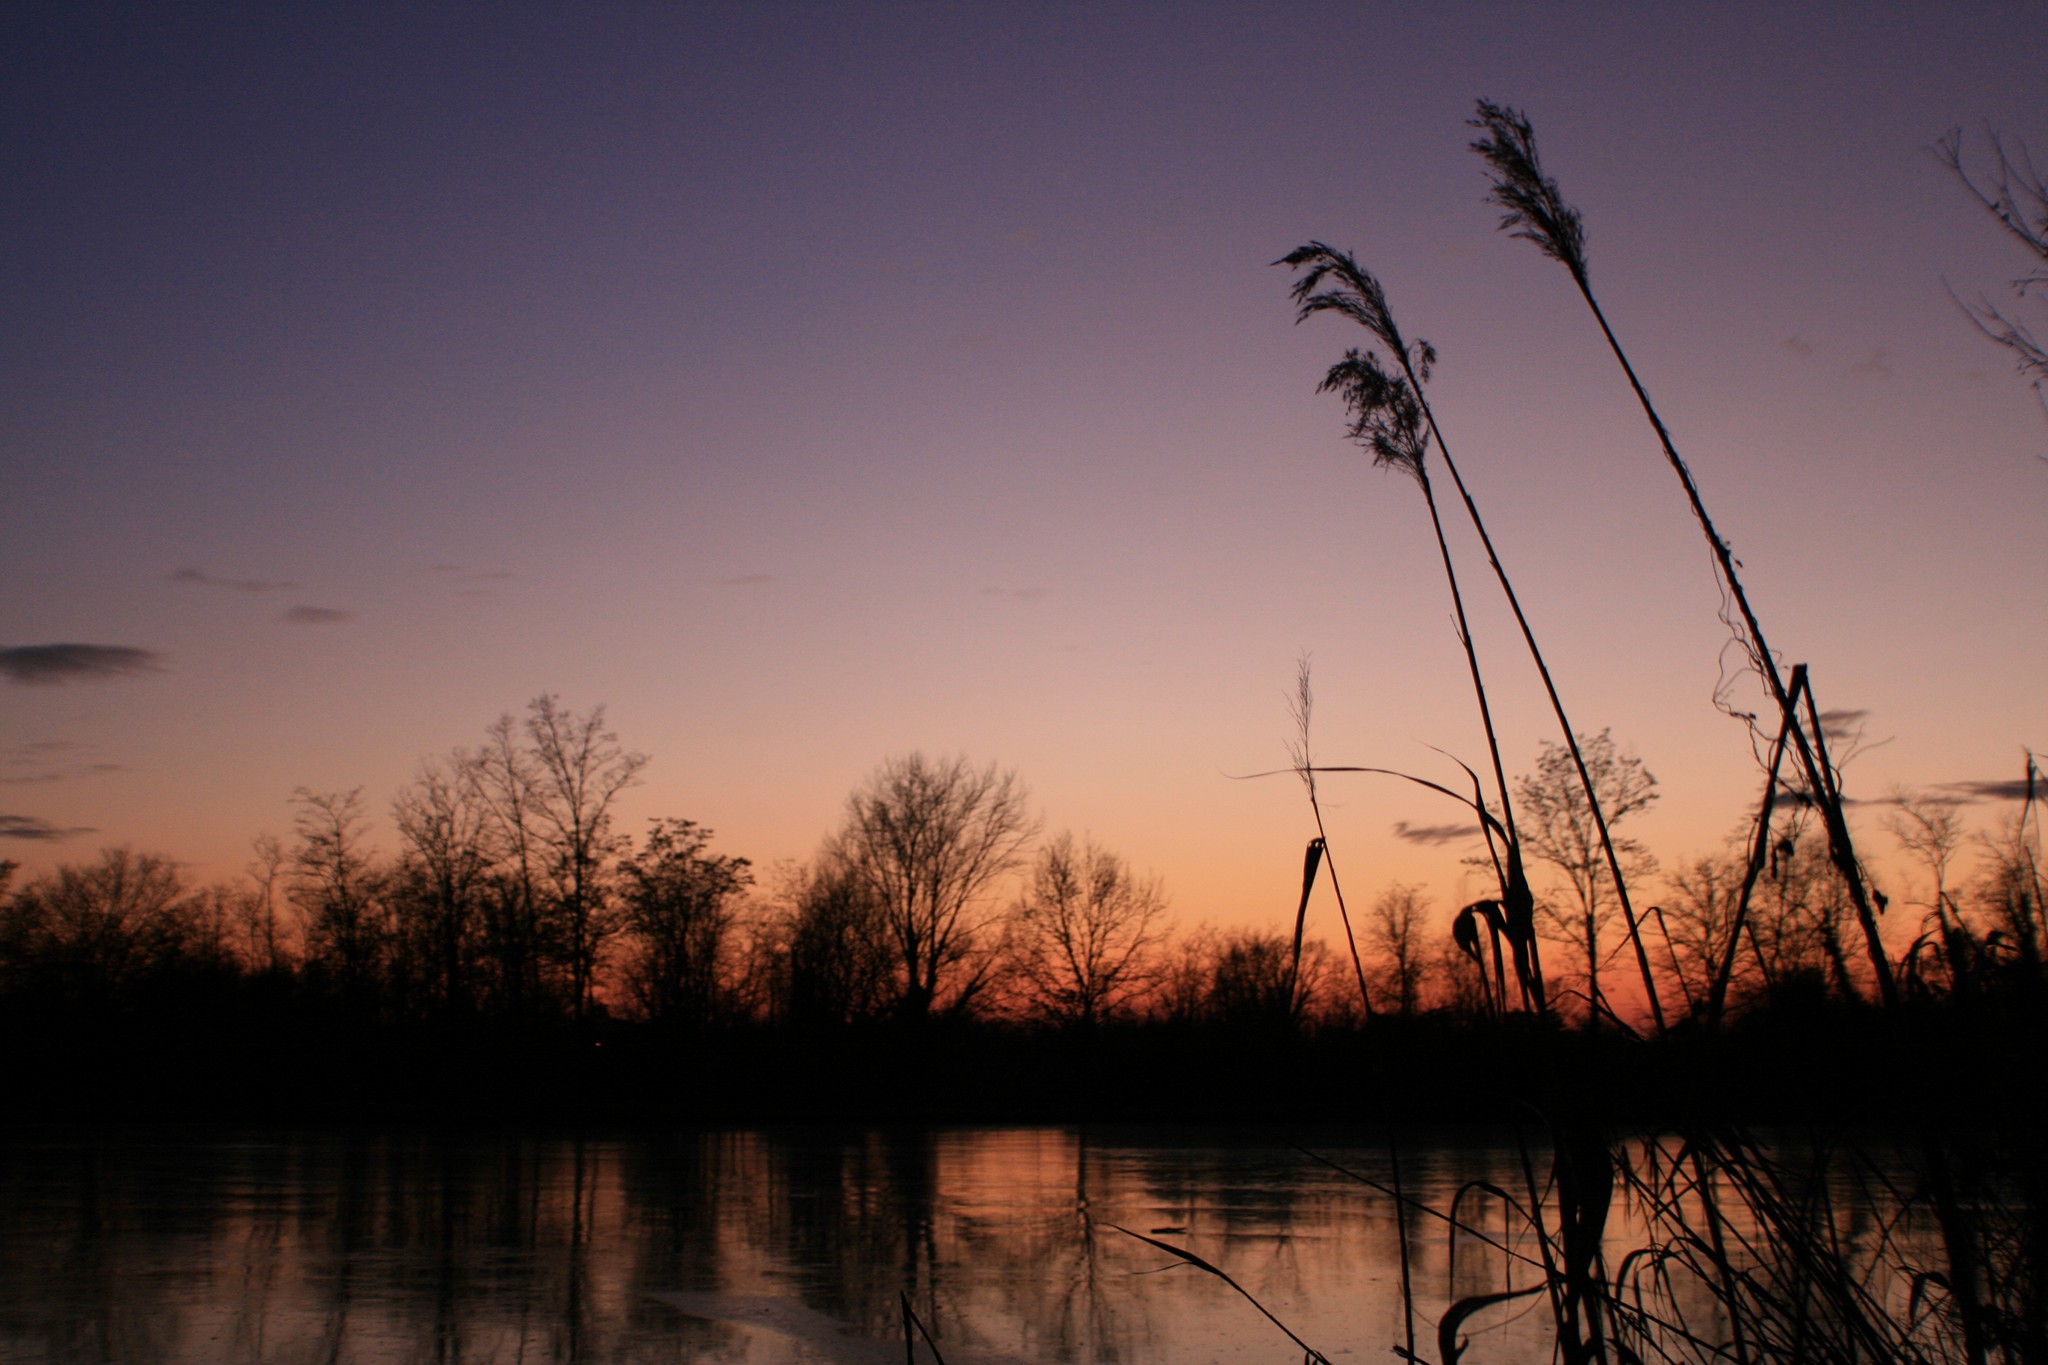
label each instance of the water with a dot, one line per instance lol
(748, 1246)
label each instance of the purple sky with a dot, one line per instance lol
(817, 385)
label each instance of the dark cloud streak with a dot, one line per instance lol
(1995, 789)
(45, 665)
(316, 616)
(207, 580)
(1434, 834)
(40, 831)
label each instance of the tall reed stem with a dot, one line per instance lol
(1537, 212)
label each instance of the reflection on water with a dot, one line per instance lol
(737, 1246)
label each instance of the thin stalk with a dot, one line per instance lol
(1401, 1231)
(1303, 706)
(1758, 847)
(1571, 738)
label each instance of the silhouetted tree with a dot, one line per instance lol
(681, 905)
(1793, 936)
(1084, 933)
(1252, 982)
(337, 888)
(1399, 930)
(1559, 829)
(516, 949)
(85, 936)
(930, 840)
(2009, 892)
(831, 952)
(578, 771)
(268, 943)
(442, 879)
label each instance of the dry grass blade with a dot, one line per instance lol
(1207, 1267)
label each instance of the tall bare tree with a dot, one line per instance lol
(931, 840)
(1559, 828)
(1084, 933)
(517, 951)
(268, 947)
(1399, 930)
(337, 886)
(578, 770)
(444, 872)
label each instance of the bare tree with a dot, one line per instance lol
(1559, 828)
(268, 948)
(1930, 828)
(516, 948)
(930, 840)
(336, 887)
(87, 934)
(1252, 981)
(681, 904)
(578, 771)
(1084, 933)
(2010, 889)
(1399, 930)
(444, 873)
(1793, 934)
(1699, 916)
(831, 959)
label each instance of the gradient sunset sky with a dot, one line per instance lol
(810, 384)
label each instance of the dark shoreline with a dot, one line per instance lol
(1839, 1063)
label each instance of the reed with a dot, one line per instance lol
(1536, 212)
(1393, 419)
(1736, 1249)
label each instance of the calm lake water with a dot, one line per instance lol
(749, 1246)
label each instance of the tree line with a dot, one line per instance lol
(513, 897)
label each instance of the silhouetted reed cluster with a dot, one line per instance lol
(1680, 1234)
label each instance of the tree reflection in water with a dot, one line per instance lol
(781, 1246)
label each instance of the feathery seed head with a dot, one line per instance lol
(1352, 292)
(1386, 416)
(1536, 210)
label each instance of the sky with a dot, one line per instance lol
(813, 384)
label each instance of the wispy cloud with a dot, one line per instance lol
(469, 575)
(30, 827)
(43, 665)
(1877, 364)
(1798, 347)
(316, 616)
(43, 761)
(1434, 834)
(1021, 594)
(207, 580)
(747, 580)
